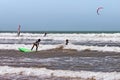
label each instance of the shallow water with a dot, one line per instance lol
(104, 64)
(23, 77)
(78, 41)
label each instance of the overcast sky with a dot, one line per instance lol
(60, 15)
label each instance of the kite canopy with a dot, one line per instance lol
(98, 9)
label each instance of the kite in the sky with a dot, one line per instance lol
(98, 9)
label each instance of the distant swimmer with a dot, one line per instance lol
(36, 44)
(45, 34)
(67, 41)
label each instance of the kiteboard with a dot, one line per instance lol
(22, 49)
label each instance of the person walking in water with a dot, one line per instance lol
(45, 34)
(67, 41)
(18, 33)
(36, 44)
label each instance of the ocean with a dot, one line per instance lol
(81, 67)
(80, 41)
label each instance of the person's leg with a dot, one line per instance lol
(32, 46)
(19, 34)
(36, 47)
(66, 42)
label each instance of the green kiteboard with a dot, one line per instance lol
(22, 49)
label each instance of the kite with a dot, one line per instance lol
(98, 9)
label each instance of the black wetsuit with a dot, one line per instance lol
(36, 44)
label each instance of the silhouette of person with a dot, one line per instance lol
(45, 34)
(67, 41)
(36, 44)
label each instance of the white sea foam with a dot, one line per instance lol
(47, 47)
(79, 37)
(103, 38)
(43, 72)
(16, 46)
(96, 48)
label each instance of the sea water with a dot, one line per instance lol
(101, 68)
(78, 41)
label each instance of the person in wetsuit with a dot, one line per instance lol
(67, 41)
(45, 34)
(36, 44)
